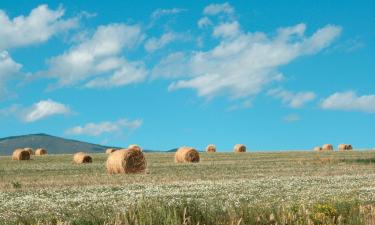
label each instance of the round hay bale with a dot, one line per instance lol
(30, 150)
(187, 155)
(318, 148)
(40, 151)
(126, 161)
(81, 157)
(135, 147)
(327, 147)
(211, 148)
(20, 154)
(345, 147)
(239, 148)
(110, 150)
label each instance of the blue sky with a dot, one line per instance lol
(162, 74)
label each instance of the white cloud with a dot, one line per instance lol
(162, 12)
(8, 70)
(215, 9)
(245, 64)
(226, 30)
(37, 27)
(96, 129)
(38, 111)
(99, 58)
(153, 44)
(174, 65)
(242, 105)
(291, 118)
(129, 73)
(294, 100)
(349, 101)
(43, 109)
(204, 22)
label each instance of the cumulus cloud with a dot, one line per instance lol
(349, 101)
(246, 63)
(172, 66)
(96, 129)
(226, 30)
(37, 27)
(38, 111)
(162, 12)
(294, 100)
(291, 118)
(215, 9)
(8, 70)
(153, 43)
(204, 22)
(99, 59)
(44, 109)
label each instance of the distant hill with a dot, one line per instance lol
(53, 144)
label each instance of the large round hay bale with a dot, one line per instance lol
(211, 148)
(20, 154)
(135, 147)
(126, 161)
(327, 147)
(40, 151)
(239, 148)
(30, 150)
(81, 157)
(318, 148)
(187, 155)
(345, 147)
(110, 150)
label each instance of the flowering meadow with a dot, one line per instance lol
(224, 188)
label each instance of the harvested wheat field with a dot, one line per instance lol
(312, 187)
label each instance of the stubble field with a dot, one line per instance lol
(224, 188)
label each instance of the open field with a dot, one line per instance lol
(224, 188)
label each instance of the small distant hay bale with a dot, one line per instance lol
(327, 147)
(187, 155)
(126, 161)
(211, 148)
(81, 157)
(30, 150)
(345, 147)
(239, 148)
(110, 150)
(20, 154)
(318, 148)
(135, 147)
(40, 151)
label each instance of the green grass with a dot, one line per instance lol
(224, 188)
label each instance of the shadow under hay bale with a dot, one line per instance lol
(126, 161)
(20, 154)
(211, 148)
(81, 157)
(40, 151)
(239, 148)
(30, 150)
(345, 147)
(318, 148)
(187, 155)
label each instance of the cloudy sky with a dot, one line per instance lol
(163, 74)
